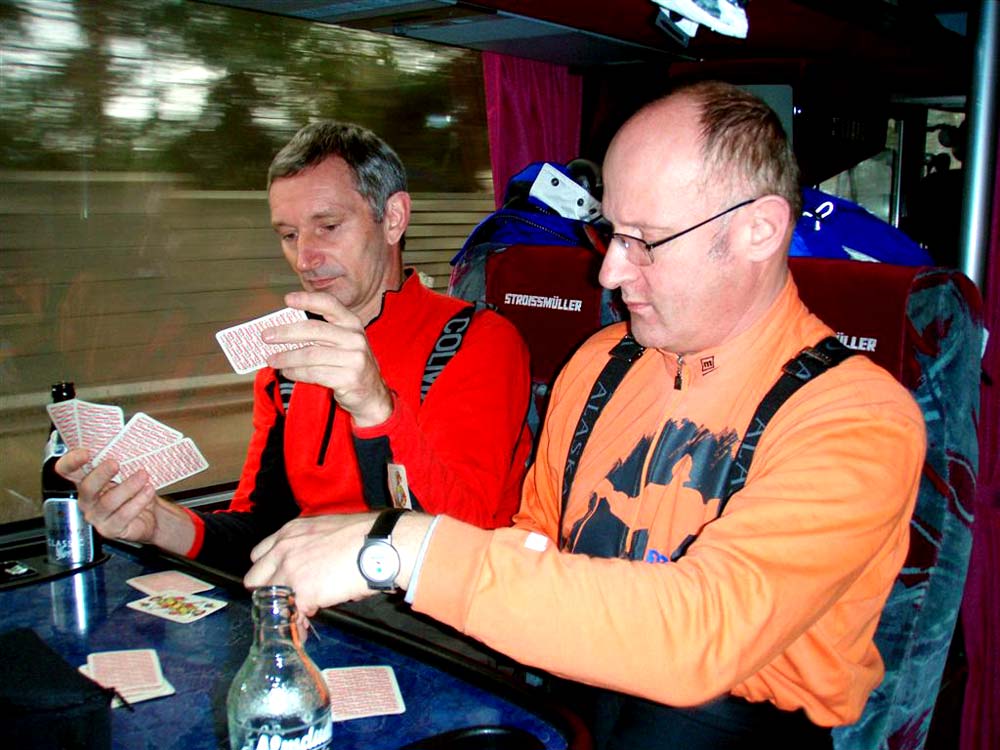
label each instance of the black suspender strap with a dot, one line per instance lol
(446, 347)
(804, 367)
(801, 369)
(621, 357)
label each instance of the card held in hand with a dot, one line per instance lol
(166, 465)
(83, 424)
(243, 346)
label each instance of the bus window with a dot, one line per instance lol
(929, 205)
(869, 183)
(134, 145)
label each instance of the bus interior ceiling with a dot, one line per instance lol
(843, 71)
(846, 63)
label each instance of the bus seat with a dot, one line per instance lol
(925, 326)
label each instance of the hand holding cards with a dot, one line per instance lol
(143, 443)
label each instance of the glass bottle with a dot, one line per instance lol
(278, 698)
(70, 540)
(53, 484)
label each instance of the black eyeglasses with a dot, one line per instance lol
(640, 253)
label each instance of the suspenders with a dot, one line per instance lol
(622, 356)
(801, 369)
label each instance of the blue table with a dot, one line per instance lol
(86, 611)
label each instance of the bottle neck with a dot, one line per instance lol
(274, 616)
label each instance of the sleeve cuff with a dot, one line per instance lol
(411, 592)
(378, 430)
(199, 533)
(453, 560)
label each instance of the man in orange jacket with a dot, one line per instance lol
(748, 627)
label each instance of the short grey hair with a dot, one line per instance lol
(378, 171)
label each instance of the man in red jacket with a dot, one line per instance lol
(400, 384)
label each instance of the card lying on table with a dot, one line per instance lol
(245, 349)
(134, 673)
(177, 607)
(357, 692)
(168, 580)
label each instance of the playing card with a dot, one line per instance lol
(140, 436)
(177, 607)
(133, 695)
(99, 423)
(356, 692)
(131, 669)
(168, 580)
(63, 416)
(243, 346)
(166, 465)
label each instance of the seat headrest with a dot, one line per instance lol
(864, 303)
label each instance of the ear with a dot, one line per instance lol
(397, 217)
(770, 224)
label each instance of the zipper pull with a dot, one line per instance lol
(677, 377)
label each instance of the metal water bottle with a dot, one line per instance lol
(278, 699)
(70, 540)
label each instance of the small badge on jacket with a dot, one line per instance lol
(399, 488)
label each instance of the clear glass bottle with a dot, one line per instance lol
(278, 698)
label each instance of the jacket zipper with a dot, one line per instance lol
(327, 432)
(677, 377)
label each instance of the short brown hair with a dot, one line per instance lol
(744, 144)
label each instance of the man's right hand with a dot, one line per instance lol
(130, 510)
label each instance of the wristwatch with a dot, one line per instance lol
(378, 560)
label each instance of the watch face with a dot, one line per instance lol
(379, 562)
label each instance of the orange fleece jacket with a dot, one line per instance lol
(778, 599)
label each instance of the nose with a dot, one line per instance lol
(615, 269)
(307, 253)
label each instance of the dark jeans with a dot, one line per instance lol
(622, 722)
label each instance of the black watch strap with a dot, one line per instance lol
(385, 523)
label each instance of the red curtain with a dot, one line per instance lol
(532, 113)
(981, 604)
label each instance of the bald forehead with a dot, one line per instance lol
(657, 149)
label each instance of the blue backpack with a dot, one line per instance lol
(833, 227)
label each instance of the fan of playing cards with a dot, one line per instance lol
(143, 443)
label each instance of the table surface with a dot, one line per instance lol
(86, 612)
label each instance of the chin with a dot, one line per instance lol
(653, 339)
